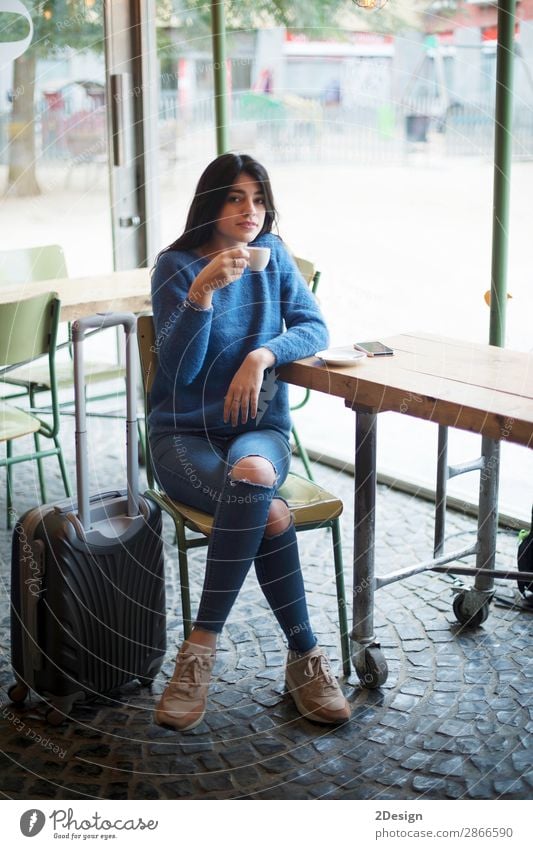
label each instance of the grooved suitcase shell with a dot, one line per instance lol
(100, 612)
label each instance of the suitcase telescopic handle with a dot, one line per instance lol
(79, 329)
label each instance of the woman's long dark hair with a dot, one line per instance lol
(210, 196)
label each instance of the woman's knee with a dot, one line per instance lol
(279, 518)
(254, 469)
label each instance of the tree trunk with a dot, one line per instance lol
(22, 180)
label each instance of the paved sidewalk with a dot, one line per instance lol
(454, 719)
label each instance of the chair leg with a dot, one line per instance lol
(184, 578)
(9, 485)
(40, 469)
(341, 597)
(63, 468)
(304, 456)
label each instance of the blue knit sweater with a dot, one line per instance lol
(201, 349)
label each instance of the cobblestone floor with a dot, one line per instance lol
(453, 720)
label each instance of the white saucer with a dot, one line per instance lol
(344, 356)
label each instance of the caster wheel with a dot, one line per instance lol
(17, 693)
(54, 717)
(472, 620)
(373, 671)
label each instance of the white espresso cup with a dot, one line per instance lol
(259, 258)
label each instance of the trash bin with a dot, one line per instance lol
(416, 128)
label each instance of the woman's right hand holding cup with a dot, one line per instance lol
(224, 268)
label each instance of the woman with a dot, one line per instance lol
(220, 424)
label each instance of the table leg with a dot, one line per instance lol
(369, 661)
(472, 606)
(487, 528)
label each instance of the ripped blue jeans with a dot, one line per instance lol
(196, 470)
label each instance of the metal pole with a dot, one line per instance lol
(502, 169)
(218, 28)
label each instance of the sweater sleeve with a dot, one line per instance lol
(182, 328)
(306, 331)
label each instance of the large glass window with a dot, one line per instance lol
(379, 146)
(53, 149)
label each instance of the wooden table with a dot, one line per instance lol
(480, 388)
(118, 291)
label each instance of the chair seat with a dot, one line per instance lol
(15, 422)
(309, 504)
(308, 501)
(37, 373)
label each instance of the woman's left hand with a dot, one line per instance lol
(243, 392)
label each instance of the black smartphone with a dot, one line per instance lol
(374, 349)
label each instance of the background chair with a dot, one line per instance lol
(28, 331)
(47, 262)
(312, 278)
(311, 506)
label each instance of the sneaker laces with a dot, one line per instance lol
(188, 673)
(317, 667)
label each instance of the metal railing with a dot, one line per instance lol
(291, 128)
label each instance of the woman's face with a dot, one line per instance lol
(243, 213)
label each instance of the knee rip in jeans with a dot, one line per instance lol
(276, 521)
(261, 484)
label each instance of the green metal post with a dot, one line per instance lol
(502, 169)
(218, 28)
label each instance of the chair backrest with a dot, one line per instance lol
(308, 272)
(312, 278)
(147, 350)
(28, 328)
(23, 265)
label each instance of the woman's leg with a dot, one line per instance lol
(257, 463)
(279, 573)
(250, 523)
(242, 488)
(236, 482)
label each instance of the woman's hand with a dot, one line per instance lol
(225, 268)
(243, 392)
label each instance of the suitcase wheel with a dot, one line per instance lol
(17, 693)
(54, 716)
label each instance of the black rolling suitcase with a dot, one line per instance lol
(87, 582)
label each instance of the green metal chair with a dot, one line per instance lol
(28, 331)
(47, 262)
(312, 278)
(311, 506)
